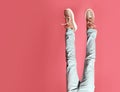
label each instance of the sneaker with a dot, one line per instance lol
(90, 17)
(69, 19)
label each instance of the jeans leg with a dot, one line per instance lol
(87, 83)
(72, 75)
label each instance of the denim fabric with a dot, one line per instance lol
(87, 82)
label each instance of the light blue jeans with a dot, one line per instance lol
(87, 82)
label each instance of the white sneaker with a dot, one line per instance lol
(90, 17)
(69, 19)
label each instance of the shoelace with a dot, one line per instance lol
(90, 23)
(67, 21)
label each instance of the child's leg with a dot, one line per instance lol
(87, 84)
(72, 76)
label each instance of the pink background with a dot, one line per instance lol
(32, 44)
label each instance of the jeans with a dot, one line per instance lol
(87, 82)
